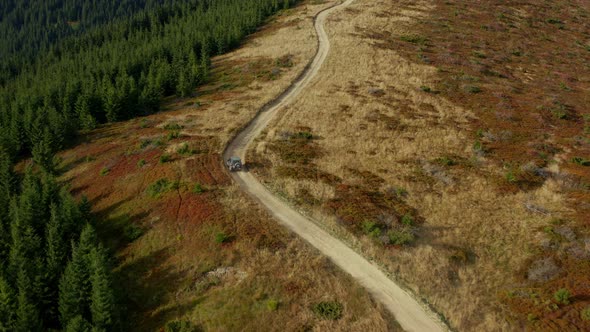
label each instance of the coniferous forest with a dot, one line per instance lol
(68, 66)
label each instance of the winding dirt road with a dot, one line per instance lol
(410, 314)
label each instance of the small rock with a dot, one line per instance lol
(543, 270)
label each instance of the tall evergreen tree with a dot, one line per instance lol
(103, 299)
(78, 324)
(7, 306)
(27, 314)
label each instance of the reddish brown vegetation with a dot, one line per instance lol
(523, 68)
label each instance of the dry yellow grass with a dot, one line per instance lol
(360, 82)
(176, 270)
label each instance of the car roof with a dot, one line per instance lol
(235, 159)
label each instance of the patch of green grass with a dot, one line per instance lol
(141, 163)
(370, 228)
(414, 39)
(144, 123)
(161, 186)
(272, 305)
(173, 135)
(104, 171)
(180, 326)
(165, 158)
(407, 220)
(401, 236)
(144, 143)
(562, 296)
(221, 237)
(185, 150)
(445, 161)
(173, 126)
(132, 232)
(304, 135)
(581, 161)
(473, 89)
(331, 310)
(510, 176)
(198, 188)
(425, 89)
(585, 313)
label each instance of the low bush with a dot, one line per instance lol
(581, 161)
(221, 237)
(185, 150)
(407, 220)
(104, 171)
(173, 135)
(132, 232)
(198, 188)
(272, 305)
(180, 326)
(585, 313)
(328, 310)
(401, 236)
(165, 158)
(562, 296)
(414, 39)
(141, 163)
(161, 186)
(172, 126)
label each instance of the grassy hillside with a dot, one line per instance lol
(450, 144)
(191, 249)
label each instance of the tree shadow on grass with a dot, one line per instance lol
(150, 284)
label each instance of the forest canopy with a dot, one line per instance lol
(113, 70)
(70, 65)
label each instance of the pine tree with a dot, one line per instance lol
(55, 261)
(78, 324)
(7, 306)
(6, 188)
(75, 287)
(85, 117)
(27, 314)
(103, 299)
(43, 151)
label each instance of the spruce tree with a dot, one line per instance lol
(78, 324)
(7, 306)
(27, 313)
(43, 151)
(75, 289)
(103, 299)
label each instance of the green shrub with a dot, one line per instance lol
(104, 171)
(478, 146)
(473, 89)
(144, 143)
(173, 126)
(304, 134)
(581, 161)
(368, 226)
(221, 237)
(425, 88)
(161, 186)
(401, 236)
(132, 232)
(328, 310)
(198, 189)
(141, 163)
(511, 177)
(562, 296)
(407, 220)
(414, 39)
(180, 326)
(445, 161)
(585, 313)
(173, 135)
(185, 150)
(144, 123)
(165, 158)
(272, 305)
